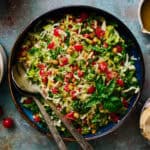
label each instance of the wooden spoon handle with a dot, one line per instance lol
(83, 143)
(51, 126)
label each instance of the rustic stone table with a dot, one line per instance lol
(14, 16)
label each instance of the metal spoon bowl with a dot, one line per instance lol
(19, 78)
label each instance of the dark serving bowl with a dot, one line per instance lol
(133, 50)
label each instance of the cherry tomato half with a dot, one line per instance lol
(8, 122)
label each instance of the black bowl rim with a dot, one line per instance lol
(98, 10)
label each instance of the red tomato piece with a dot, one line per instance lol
(36, 118)
(51, 45)
(119, 48)
(111, 75)
(78, 47)
(105, 45)
(69, 75)
(48, 73)
(45, 79)
(70, 116)
(73, 94)
(80, 73)
(42, 73)
(93, 63)
(79, 20)
(28, 101)
(125, 103)
(66, 88)
(86, 35)
(84, 16)
(114, 117)
(66, 80)
(99, 32)
(74, 68)
(54, 90)
(120, 82)
(103, 66)
(91, 89)
(63, 61)
(8, 122)
(59, 107)
(56, 32)
(41, 66)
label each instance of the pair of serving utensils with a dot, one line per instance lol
(23, 85)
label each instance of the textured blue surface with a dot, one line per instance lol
(14, 16)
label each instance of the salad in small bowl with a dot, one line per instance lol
(87, 63)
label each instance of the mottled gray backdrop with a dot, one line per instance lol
(17, 14)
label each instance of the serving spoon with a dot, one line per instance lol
(23, 84)
(18, 76)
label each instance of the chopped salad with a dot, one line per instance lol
(81, 63)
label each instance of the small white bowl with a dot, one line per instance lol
(3, 63)
(140, 17)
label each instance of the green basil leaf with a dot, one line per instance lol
(113, 105)
(111, 87)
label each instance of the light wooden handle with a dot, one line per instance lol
(51, 126)
(83, 143)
